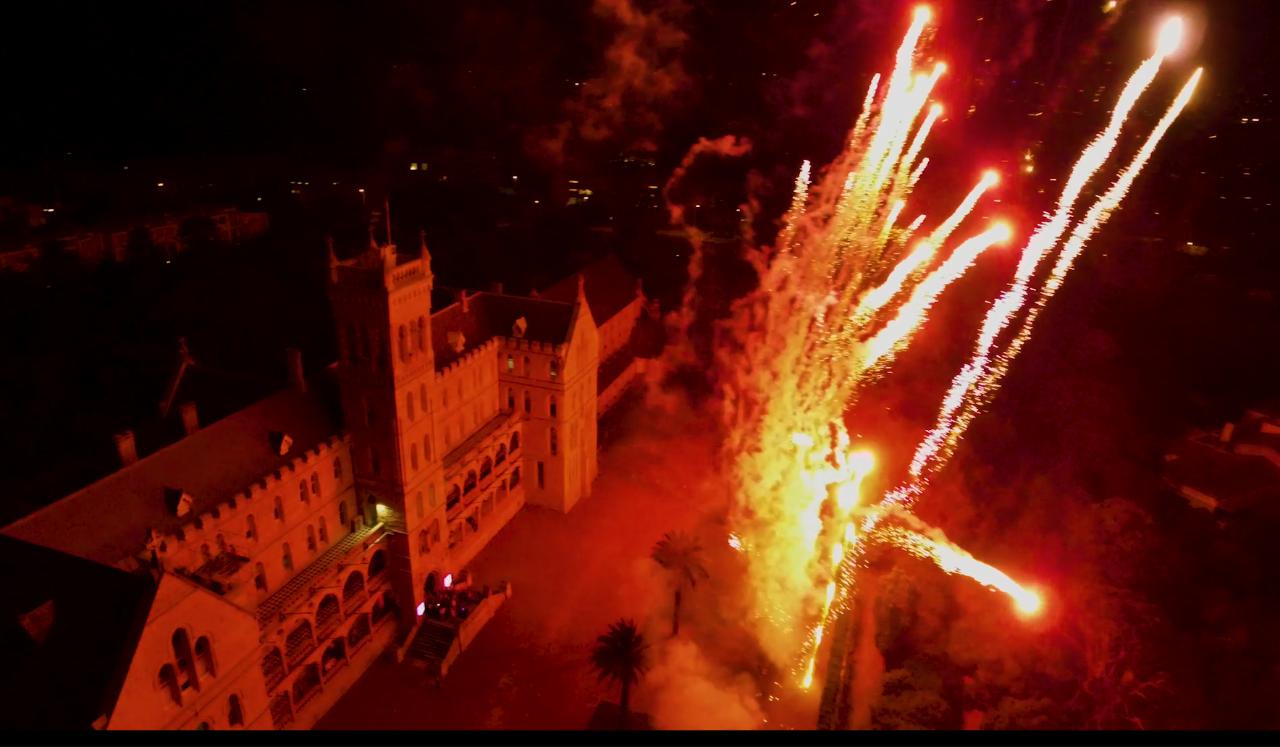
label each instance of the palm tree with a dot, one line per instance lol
(621, 655)
(681, 555)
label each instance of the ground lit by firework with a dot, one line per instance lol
(844, 291)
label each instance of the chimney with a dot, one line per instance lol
(496, 288)
(296, 379)
(190, 420)
(1227, 431)
(127, 448)
(465, 298)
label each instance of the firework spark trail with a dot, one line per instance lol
(954, 560)
(917, 143)
(940, 234)
(798, 198)
(915, 175)
(890, 220)
(865, 114)
(882, 294)
(898, 330)
(1041, 242)
(1094, 219)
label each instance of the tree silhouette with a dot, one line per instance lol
(621, 655)
(681, 556)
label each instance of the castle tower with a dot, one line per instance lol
(386, 368)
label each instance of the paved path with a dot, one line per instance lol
(572, 576)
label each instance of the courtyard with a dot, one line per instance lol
(572, 575)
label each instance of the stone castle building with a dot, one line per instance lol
(246, 575)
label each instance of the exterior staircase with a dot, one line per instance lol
(431, 644)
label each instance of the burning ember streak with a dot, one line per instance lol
(839, 296)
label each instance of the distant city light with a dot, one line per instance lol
(160, 185)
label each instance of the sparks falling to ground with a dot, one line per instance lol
(841, 294)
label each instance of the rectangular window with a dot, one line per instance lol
(541, 478)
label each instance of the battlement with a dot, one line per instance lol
(471, 356)
(517, 343)
(257, 498)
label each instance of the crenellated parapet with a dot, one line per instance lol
(475, 355)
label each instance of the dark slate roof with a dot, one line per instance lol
(1238, 482)
(609, 288)
(490, 315)
(90, 618)
(108, 520)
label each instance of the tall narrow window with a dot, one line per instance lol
(426, 448)
(169, 681)
(402, 338)
(260, 577)
(222, 543)
(424, 544)
(324, 531)
(408, 406)
(342, 512)
(315, 484)
(204, 657)
(422, 397)
(186, 662)
(511, 363)
(311, 538)
(541, 477)
(235, 712)
(337, 469)
(526, 365)
(279, 509)
(528, 402)
(288, 558)
(551, 406)
(554, 369)
(250, 527)
(205, 554)
(511, 399)
(413, 457)
(555, 442)
(303, 495)
(422, 334)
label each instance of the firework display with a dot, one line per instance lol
(842, 293)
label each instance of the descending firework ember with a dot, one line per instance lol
(842, 294)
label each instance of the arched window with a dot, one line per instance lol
(551, 406)
(278, 512)
(311, 538)
(408, 406)
(328, 614)
(324, 531)
(299, 643)
(501, 456)
(342, 512)
(469, 484)
(204, 657)
(259, 577)
(250, 527)
(424, 542)
(359, 631)
(435, 531)
(235, 713)
(169, 681)
(353, 588)
(303, 494)
(453, 497)
(377, 563)
(413, 457)
(288, 558)
(511, 399)
(511, 363)
(555, 442)
(186, 662)
(528, 403)
(515, 477)
(486, 468)
(337, 469)
(315, 484)
(273, 667)
(554, 369)
(515, 441)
